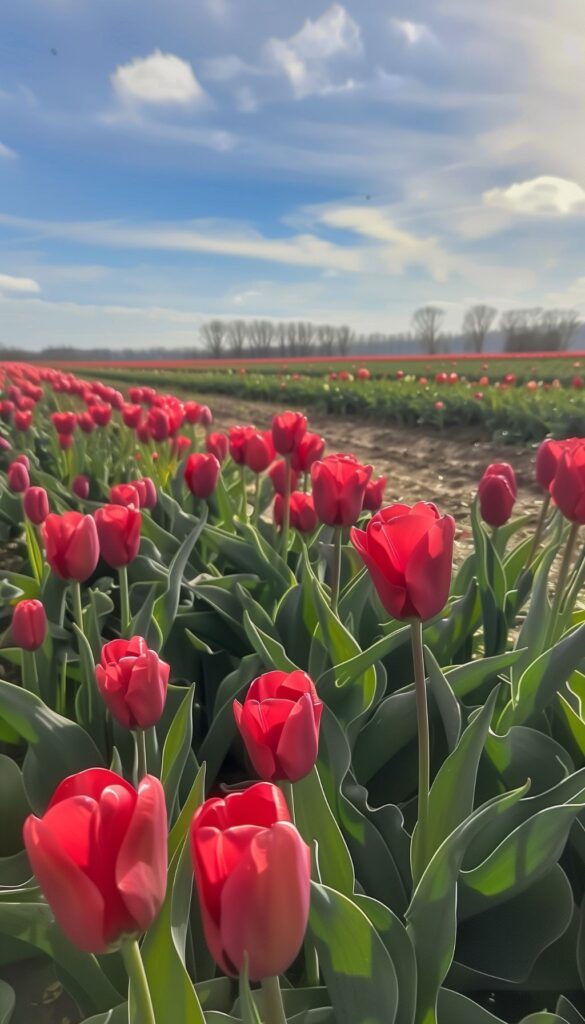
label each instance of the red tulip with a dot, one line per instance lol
(146, 489)
(118, 528)
(85, 422)
(258, 450)
(339, 484)
(279, 722)
(252, 871)
(496, 499)
(24, 459)
(217, 444)
(131, 415)
(374, 494)
(287, 431)
(22, 419)
(409, 553)
(302, 511)
(35, 503)
(192, 410)
(64, 422)
(201, 474)
(568, 486)
(309, 450)
(65, 441)
(7, 410)
(71, 545)
(133, 682)
(101, 414)
(18, 478)
(159, 426)
(99, 854)
(124, 494)
(80, 486)
(205, 416)
(277, 474)
(237, 438)
(29, 625)
(547, 460)
(506, 470)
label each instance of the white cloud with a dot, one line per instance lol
(543, 195)
(158, 78)
(17, 285)
(412, 32)
(6, 153)
(303, 56)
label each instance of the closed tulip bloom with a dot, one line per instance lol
(237, 438)
(279, 723)
(252, 872)
(99, 854)
(29, 625)
(35, 503)
(23, 419)
(133, 682)
(217, 444)
(192, 410)
(205, 416)
(159, 426)
(71, 545)
(258, 451)
(277, 474)
(64, 422)
(309, 450)
(568, 486)
(339, 484)
(409, 554)
(86, 423)
(506, 470)
(146, 489)
(496, 499)
(118, 528)
(24, 459)
(547, 459)
(6, 409)
(65, 441)
(374, 494)
(201, 474)
(124, 494)
(101, 414)
(302, 511)
(287, 430)
(131, 415)
(80, 486)
(18, 478)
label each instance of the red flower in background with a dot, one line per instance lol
(201, 474)
(277, 474)
(29, 625)
(287, 430)
(35, 502)
(339, 484)
(71, 545)
(302, 511)
(133, 682)
(374, 494)
(118, 530)
(309, 450)
(217, 444)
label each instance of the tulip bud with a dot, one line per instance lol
(258, 450)
(86, 423)
(547, 460)
(124, 494)
(64, 422)
(205, 416)
(192, 410)
(118, 529)
(35, 503)
(309, 450)
(99, 854)
(133, 682)
(277, 474)
(71, 545)
(18, 478)
(23, 419)
(287, 430)
(217, 444)
(146, 491)
(302, 511)
(568, 486)
(201, 474)
(252, 871)
(131, 415)
(29, 625)
(101, 414)
(497, 493)
(80, 486)
(339, 484)
(374, 494)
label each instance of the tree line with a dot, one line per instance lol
(522, 330)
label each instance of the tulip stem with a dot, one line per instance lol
(30, 676)
(286, 509)
(140, 993)
(257, 498)
(273, 1006)
(337, 540)
(77, 606)
(287, 791)
(244, 508)
(424, 756)
(562, 583)
(539, 529)
(141, 762)
(125, 615)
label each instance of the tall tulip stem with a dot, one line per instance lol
(144, 1010)
(30, 678)
(335, 581)
(287, 791)
(424, 756)
(141, 762)
(77, 605)
(272, 999)
(124, 600)
(244, 506)
(562, 583)
(539, 529)
(286, 510)
(257, 500)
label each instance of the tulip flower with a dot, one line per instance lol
(202, 472)
(302, 511)
(133, 682)
(99, 854)
(35, 503)
(252, 872)
(309, 450)
(258, 450)
(86, 423)
(374, 494)
(6, 410)
(205, 416)
(80, 486)
(131, 415)
(22, 419)
(568, 484)
(124, 494)
(118, 529)
(146, 489)
(64, 422)
(287, 430)
(192, 410)
(339, 484)
(547, 459)
(71, 545)
(496, 497)
(277, 473)
(217, 444)
(158, 424)
(29, 625)
(65, 441)
(237, 438)
(507, 471)
(279, 723)
(18, 478)
(101, 414)
(24, 459)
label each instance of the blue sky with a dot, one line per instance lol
(162, 163)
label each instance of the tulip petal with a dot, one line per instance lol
(299, 741)
(141, 867)
(428, 573)
(89, 783)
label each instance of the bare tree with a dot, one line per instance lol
(292, 339)
(426, 323)
(281, 337)
(345, 339)
(261, 336)
(476, 326)
(306, 334)
(237, 333)
(560, 326)
(213, 336)
(522, 330)
(325, 339)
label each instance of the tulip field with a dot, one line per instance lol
(273, 748)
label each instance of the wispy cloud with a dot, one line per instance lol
(412, 32)
(6, 153)
(10, 285)
(304, 57)
(540, 196)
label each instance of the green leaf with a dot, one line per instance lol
(455, 1008)
(176, 749)
(445, 699)
(166, 606)
(248, 1007)
(396, 939)
(544, 678)
(532, 634)
(7, 1002)
(271, 651)
(15, 807)
(492, 586)
(89, 706)
(119, 1015)
(568, 1012)
(355, 963)
(316, 823)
